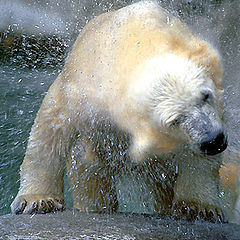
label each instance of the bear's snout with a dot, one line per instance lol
(214, 143)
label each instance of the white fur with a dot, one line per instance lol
(174, 86)
(131, 73)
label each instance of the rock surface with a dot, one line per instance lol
(76, 225)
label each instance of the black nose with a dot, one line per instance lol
(214, 143)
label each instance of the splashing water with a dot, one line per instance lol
(45, 42)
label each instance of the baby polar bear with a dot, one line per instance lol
(137, 90)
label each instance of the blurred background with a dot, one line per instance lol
(35, 39)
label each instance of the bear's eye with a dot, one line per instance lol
(206, 96)
(175, 123)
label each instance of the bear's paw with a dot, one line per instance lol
(37, 203)
(194, 211)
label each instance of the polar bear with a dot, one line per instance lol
(139, 91)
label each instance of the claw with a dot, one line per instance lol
(43, 204)
(210, 215)
(191, 211)
(219, 215)
(32, 204)
(193, 214)
(34, 208)
(50, 204)
(60, 204)
(184, 209)
(61, 201)
(201, 214)
(21, 209)
(35, 205)
(43, 207)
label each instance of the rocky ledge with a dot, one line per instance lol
(76, 225)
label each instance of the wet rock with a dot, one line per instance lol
(76, 225)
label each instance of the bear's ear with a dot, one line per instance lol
(215, 68)
(219, 97)
(220, 93)
(208, 58)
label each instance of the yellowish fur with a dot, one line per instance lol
(230, 180)
(121, 66)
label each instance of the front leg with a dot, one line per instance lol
(196, 194)
(91, 179)
(42, 171)
(41, 187)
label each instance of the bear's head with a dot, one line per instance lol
(185, 103)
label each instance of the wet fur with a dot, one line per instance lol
(102, 93)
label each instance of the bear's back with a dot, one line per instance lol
(113, 44)
(114, 48)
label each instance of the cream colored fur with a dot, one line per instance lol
(131, 73)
